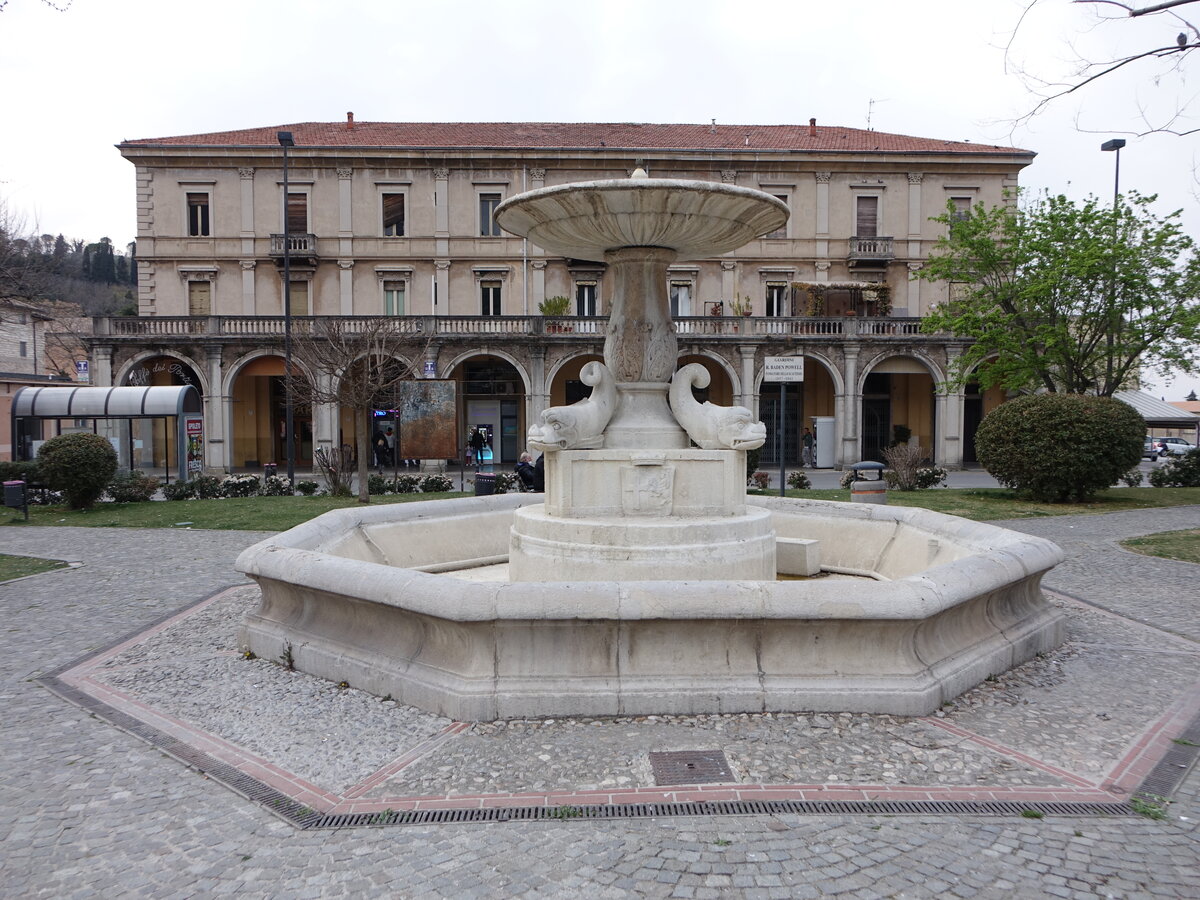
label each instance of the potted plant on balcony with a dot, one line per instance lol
(556, 306)
(741, 305)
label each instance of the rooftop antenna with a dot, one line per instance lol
(871, 110)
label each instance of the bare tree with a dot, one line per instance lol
(358, 364)
(1165, 53)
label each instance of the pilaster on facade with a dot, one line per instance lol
(848, 417)
(101, 365)
(248, 295)
(217, 454)
(346, 287)
(441, 286)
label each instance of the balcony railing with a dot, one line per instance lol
(302, 245)
(872, 248)
(580, 328)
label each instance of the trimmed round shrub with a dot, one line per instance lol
(405, 484)
(179, 490)
(377, 484)
(1179, 471)
(132, 487)
(307, 488)
(798, 481)
(245, 485)
(79, 466)
(207, 487)
(276, 486)
(436, 484)
(1060, 448)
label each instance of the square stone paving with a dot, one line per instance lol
(1075, 724)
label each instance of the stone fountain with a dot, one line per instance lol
(645, 580)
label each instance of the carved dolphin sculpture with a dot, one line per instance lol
(581, 425)
(712, 427)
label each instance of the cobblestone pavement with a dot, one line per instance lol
(90, 810)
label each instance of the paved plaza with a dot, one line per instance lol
(90, 809)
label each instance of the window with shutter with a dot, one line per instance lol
(866, 222)
(197, 209)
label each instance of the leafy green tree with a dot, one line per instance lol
(1066, 297)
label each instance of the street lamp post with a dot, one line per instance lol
(1109, 146)
(286, 141)
(1115, 144)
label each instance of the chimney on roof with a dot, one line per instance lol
(713, 128)
(349, 121)
(812, 127)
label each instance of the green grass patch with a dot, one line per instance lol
(233, 514)
(1183, 545)
(984, 504)
(19, 566)
(282, 513)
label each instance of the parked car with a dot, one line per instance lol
(1151, 449)
(1176, 446)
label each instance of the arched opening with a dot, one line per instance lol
(897, 406)
(492, 403)
(566, 387)
(802, 402)
(152, 442)
(259, 417)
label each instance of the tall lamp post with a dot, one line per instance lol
(1115, 144)
(285, 141)
(1109, 146)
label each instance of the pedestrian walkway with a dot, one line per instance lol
(92, 809)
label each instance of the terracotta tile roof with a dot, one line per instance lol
(579, 136)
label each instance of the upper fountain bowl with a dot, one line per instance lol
(696, 219)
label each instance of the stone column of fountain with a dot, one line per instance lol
(627, 496)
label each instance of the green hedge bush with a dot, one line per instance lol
(1179, 471)
(132, 487)
(79, 465)
(1060, 448)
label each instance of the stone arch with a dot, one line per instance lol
(816, 397)
(138, 359)
(899, 390)
(492, 401)
(476, 352)
(254, 417)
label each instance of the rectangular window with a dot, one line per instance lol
(197, 209)
(487, 211)
(393, 298)
(780, 232)
(199, 298)
(393, 215)
(24, 349)
(585, 298)
(299, 298)
(962, 208)
(489, 295)
(681, 298)
(777, 299)
(866, 217)
(297, 213)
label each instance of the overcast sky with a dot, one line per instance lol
(102, 71)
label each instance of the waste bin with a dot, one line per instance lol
(485, 483)
(868, 485)
(269, 469)
(14, 494)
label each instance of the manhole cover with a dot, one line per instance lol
(690, 767)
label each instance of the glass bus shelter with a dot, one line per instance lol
(153, 429)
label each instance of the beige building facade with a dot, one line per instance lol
(395, 219)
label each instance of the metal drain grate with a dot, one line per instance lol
(690, 767)
(1168, 773)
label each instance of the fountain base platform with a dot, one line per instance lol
(366, 596)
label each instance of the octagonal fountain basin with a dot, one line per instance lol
(412, 600)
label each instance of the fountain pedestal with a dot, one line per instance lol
(649, 515)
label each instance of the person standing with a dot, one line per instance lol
(378, 447)
(809, 446)
(390, 437)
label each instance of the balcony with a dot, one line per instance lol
(871, 250)
(755, 329)
(302, 248)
